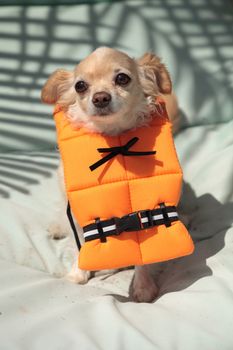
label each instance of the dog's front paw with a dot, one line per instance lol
(144, 289)
(77, 275)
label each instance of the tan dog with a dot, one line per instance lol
(109, 92)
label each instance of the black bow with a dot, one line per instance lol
(114, 151)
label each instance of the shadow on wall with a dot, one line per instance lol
(37, 40)
(194, 38)
(18, 172)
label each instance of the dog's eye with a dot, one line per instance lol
(81, 86)
(122, 79)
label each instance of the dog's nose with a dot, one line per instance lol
(101, 99)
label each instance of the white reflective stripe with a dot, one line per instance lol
(96, 232)
(90, 233)
(143, 220)
(159, 217)
(109, 228)
(171, 215)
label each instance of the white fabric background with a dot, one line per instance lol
(38, 307)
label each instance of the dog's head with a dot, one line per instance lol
(108, 91)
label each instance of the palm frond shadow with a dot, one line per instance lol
(179, 274)
(210, 221)
(18, 172)
(36, 41)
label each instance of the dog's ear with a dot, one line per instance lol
(152, 70)
(57, 83)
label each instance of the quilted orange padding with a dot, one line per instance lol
(121, 186)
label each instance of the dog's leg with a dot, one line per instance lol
(144, 288)
(60, 227)
(76, 275)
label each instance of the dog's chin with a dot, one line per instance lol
(104, 116)
(102, 113)
(107, 121)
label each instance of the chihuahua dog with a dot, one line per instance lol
(109, 92)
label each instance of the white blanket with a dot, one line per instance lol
(195, 305)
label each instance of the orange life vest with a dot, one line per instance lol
(147, 187)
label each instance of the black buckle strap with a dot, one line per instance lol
(150, 218)
(167, 221)
(135, 221)
(102, 237)
(124, 150)
(127, 223)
